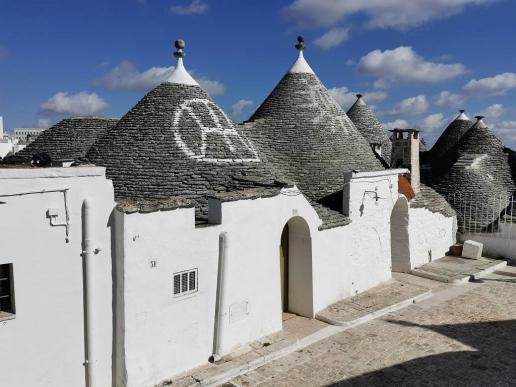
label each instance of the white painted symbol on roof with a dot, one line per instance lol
(318, 98)
(241, 148)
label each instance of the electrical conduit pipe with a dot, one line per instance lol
(222, 291)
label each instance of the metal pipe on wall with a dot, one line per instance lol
(87, 254)
(220, 306)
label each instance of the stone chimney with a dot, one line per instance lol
(405, 154)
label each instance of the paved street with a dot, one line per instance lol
(464, 336)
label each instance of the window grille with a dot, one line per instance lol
(6, 289)
(185, 282)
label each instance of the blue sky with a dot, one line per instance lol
(417, 62)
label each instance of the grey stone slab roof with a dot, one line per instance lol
(433, 201)
(305, 135)
(176, 142)
(67, 140)
(476, 178)
(478, 152)
(369, 126)
(449, 139)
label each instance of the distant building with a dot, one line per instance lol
(27, 134)
(8, 145)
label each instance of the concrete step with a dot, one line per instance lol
(458, 270)
(375, 302)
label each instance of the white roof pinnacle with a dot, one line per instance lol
(480, 123)
(462, 116)
(301, 65)
(360, 101)
(180, 75)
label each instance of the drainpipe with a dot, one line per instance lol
(87, 254)
(220, 306)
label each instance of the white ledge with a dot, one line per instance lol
(39, 173)
(386, 172)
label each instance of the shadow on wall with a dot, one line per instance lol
(492, 364)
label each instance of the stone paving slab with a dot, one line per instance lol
(375, 302)
(464, 339)
(457, 270)
(297, 332)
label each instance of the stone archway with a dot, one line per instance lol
(400, 247)
(296, 268)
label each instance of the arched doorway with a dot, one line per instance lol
(296, 268)
(400, 250)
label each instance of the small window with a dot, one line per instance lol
(185, 282)
(7, 308)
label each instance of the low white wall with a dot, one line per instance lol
(44, 344)
(431, 234)
(498, 245)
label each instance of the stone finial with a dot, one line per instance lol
(300, 43)
(180, 45)
(359, 96)
(479, 118)
(461, 111)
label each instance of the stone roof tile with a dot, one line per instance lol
(68, 140)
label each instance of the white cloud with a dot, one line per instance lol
(507, 130)
(493, 112)
(403, 64)
(345, 98)
(396, 124)
(125, 76)
(44, 123)
(432, 123)
(497, 85)
(211, 87)
(82, 103)
(196, 7)
(378, 13)
(410, 106)
(332, 38)
(238, 107)
(445, 98)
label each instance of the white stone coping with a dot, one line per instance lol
(41, 173)
(386, 172)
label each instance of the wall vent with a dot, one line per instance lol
(185, 282)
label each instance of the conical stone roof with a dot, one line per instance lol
(480, 139)
(482, 171)
(68, 140)
(369, 126)
(444, 152)
(306, 135)
(177, 143)
(451, 135)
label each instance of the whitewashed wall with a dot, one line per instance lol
(164, 336)
(499, 244)
(431, 235)
(44, 344)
